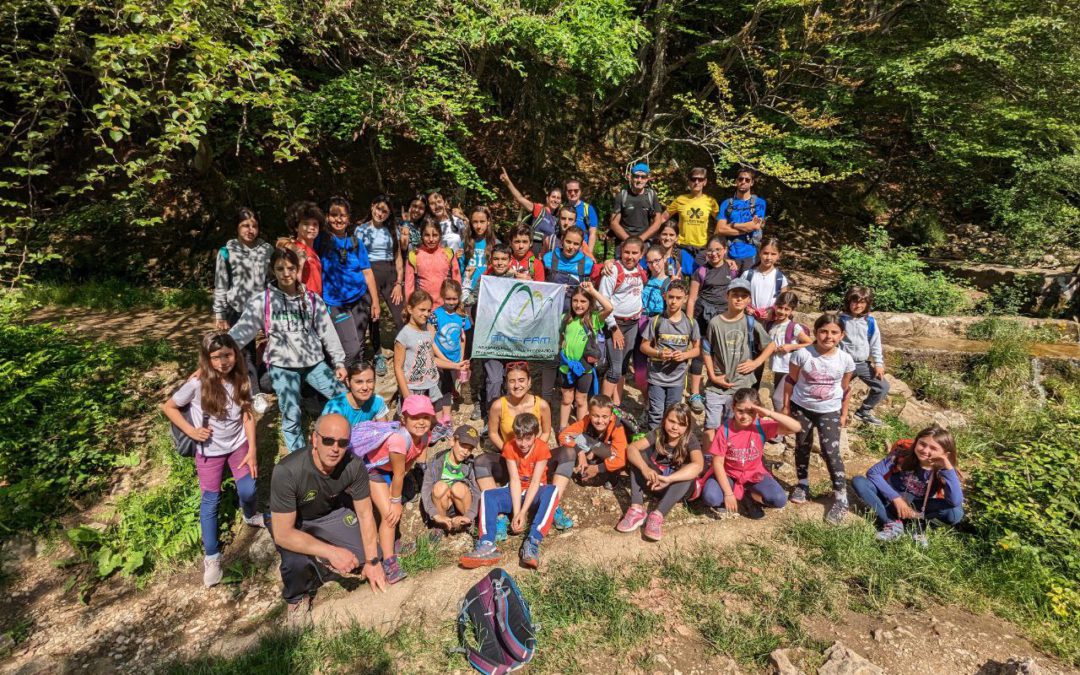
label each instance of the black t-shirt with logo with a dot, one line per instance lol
(636, 211)
(298, 486)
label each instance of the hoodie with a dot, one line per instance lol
(432, 475)
(857, 342)
(240, 272)
(300, 327)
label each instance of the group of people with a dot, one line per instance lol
(691, 309)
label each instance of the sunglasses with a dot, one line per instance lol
(514, 365)
(697, 179)
(744, 179)
(329, 441)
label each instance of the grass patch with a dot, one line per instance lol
(354, 650)
(427, 556)
(995, 327)
(876, 439)
(115, 295)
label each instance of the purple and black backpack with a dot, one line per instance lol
(495, 626)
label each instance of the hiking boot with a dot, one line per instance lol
(260, 403)
(477, 413)
(697, 403)
(634, 518)
(404, 548)
(298, 617)
(654, 526)
(211, 575)
(799, 494)
(256, 520)
(530, 553)
(920, 539)
(502, 527)
(485, 553)
(893, 530)
(380, 365)
(393, 570)
(561, 520)
(751, 509)
(836, 513)
(440, 432)
(867, 417)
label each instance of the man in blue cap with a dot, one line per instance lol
(637, 211)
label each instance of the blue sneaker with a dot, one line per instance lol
(530, 553)
(380, 365)
(502, 527)
(562, 521)
(440, 432)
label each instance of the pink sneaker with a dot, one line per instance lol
(654, 526)
(635, 516)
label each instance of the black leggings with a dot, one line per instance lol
(828, 428)
(385, 273)
(672, 495)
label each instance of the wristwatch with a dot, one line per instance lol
(373, 561)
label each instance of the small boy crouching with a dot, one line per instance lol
(526, 461)
(450, 494)
(600, 441)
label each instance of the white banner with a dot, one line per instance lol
(517, 319)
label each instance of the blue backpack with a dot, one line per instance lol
(871, 325)
(495, 627)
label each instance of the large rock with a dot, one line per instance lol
(1014, 666)
(898, 387)
(842, 660)
(920, 414)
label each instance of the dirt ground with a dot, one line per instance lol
(124, 628)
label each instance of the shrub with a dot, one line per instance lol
(61, 401)
(898, 278)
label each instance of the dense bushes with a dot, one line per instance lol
(61, 403)
(899, 279)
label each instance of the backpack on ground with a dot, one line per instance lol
(495, 628)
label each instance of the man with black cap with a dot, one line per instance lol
(450, 494)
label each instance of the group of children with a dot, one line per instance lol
(695, 327)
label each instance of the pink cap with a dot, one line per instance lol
(417, 404)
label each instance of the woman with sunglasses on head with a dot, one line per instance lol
(349, 286)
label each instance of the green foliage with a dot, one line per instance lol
(62, 400)
(1010, 298)
(931, 384)
(993, 328)
(116, 295)
(896, 275)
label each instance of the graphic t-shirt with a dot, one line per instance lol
(344, 260)
(667, 334)
(450, 330)
(576, 338)
(728, 343)
(297, 486)
(372, 409)
(742, 451)
(820, 384)
(474, 268)
(530, 264)
(419, 367)
(696, 215)
(665, 459)
(526, 464)
(452, 473)
(227, 433)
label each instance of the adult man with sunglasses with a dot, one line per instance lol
(696, 212)
(321, 518)
(741, 219)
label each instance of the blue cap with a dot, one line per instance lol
(640, 167)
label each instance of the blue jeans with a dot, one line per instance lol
(770, 491)
(660, 399)
(287, 383)
(497, 501)
(208, 512)
(936, 509)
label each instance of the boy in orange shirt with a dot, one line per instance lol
(526, 461)
(600, 442)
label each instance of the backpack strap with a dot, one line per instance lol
(871, 327)
(789, 332)
(224, 253)
(412, 257)
(449, 254)
(751, 336)
(780, 280)
(761, 430)
(700, 274)
(581, 269)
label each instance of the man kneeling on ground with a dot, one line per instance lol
(321, 517)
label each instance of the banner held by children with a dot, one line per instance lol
(517, 319)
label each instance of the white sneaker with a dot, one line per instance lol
(211, 570)
(260, 403)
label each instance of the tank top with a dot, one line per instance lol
(506, 420)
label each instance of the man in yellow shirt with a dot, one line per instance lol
(696, 212)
